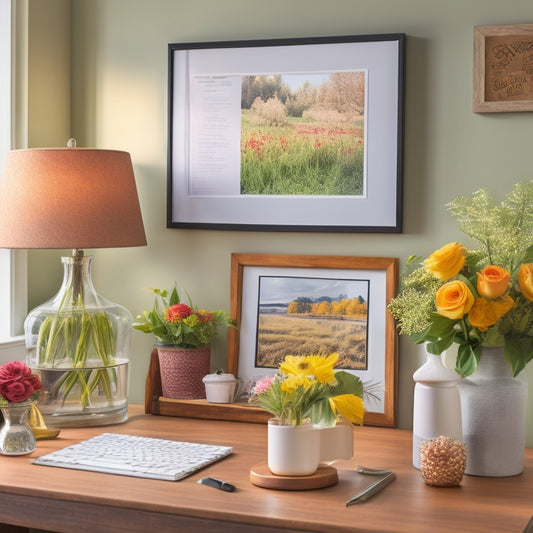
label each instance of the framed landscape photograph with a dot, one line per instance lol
(303, 305)
(287, 135)
(503, 68)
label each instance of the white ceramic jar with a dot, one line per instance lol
(221, 387)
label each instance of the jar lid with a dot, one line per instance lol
(219, 377)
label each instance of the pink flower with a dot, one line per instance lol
(17, 383)
(175, 312)
(263, 384)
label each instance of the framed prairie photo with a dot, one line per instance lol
(303, 305)
(287, 135)
(503, 68)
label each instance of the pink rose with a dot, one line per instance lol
(17, 383)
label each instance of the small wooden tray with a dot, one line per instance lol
(156, 404)
(325, 476)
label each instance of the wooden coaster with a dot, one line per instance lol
(261, 476)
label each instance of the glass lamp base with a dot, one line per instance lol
(84, 396)
(79, 342)
(113, 415)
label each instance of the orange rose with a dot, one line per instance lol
(486, 313)
(447, 261)
(525, 280)
(492, 281)
(454, 300)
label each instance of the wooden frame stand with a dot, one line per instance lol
(156, 404)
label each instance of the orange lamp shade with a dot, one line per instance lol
(69, 198)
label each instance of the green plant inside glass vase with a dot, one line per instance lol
(68, 339)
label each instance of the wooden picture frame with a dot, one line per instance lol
(503, 68)
(382, 274)
(243, 155)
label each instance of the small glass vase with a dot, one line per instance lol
(16, 435)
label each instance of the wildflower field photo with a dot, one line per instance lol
(303, 134)
(312, 315)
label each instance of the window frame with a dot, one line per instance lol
(13, 263)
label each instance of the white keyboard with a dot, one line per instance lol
(128, 455)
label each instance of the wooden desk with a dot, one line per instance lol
(76, 501)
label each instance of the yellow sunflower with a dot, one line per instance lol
(296, 365)
(322, 367)
(292, 382)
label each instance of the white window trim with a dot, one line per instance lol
(13, 264)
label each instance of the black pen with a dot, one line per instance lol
(220, 485)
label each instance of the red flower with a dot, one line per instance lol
(176, 312)
(17, 383)
(205, 316)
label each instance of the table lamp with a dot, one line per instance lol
(78, 342)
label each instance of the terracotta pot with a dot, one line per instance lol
(182, 370)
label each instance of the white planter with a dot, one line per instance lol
(293, 450)
(298, 450)
(493, 405)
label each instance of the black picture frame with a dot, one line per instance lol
(205, 184)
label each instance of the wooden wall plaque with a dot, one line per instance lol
(503, 68)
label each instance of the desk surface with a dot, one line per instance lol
(66, 500)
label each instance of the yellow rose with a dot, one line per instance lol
(446, 262)
(454, 300)
(486, 313)
(525, 280)
(502, 305)
(492, 281)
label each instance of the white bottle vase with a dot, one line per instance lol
(437, 404)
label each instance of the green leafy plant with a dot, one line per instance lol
(475, 298)
(173, 322)
(307, 386)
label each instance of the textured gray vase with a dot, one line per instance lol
(493, 409)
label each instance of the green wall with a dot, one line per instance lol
(119, 100)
